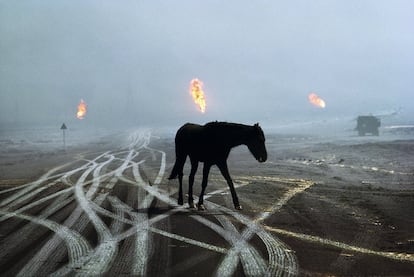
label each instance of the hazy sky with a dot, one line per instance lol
(132, 61)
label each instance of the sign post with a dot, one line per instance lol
(63, 128)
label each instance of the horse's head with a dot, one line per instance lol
(256, 143)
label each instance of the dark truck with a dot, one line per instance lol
(368, 124)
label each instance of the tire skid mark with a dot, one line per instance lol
(373, 169)
(252, 262)
(190, 241)
(291, 262)
(29, 186)
(109, 214)
(345, 247)
(155, 191)
(301, 187)
(102, 230)
(47, 250)
(161, 172)
(8, 247)
(64, 192)
(91, 263)
(117, 224)
(25, 189)
(31, 268)
(281, 260)
(140, 226)
(22, 197)
(232, 259)
(73, 240)
(83, 260)
(142, 240)
(100, 261)
(30, 190)
(97, 178)
(138, 139)
(408, 257)
(27, 192)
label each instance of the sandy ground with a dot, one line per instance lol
(319, 206)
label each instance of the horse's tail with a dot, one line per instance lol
(178, 167)
(174, 172)
(180, 152)
(180, 158)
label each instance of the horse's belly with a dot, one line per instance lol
(206, 155)
(199, 155)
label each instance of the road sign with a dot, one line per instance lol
(63, 128)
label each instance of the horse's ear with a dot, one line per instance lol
(256, 125)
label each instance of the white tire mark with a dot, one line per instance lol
(93, 187)
(73, 240)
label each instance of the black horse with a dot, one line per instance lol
(211, 144)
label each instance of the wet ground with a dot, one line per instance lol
(319, 206)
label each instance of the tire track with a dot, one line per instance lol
(75, 243)
(33, 266)
(101, 259)
(95, 185)
(281, 260)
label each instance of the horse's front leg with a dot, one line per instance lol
(206, 171)
(194, 167)
(225, 172)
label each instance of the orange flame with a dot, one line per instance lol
(316, 100)
(81, 110)
(196, 91)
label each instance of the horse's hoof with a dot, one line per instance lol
(238, 207)
(201, 207)
(192, 206)
(180, 202)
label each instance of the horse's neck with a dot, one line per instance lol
(238, 137)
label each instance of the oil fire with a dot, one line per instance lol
(81, 110)
(196, 90)
(316, 100)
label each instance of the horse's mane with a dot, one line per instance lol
(223, 124)
(229, 124)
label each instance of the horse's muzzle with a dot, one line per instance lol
(262, 159)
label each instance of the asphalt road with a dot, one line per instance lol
(114, 213)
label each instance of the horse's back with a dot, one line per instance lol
(188, 131)
(193, 140)
(187, 137)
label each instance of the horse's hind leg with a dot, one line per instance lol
(194, 167)
(180, 165)
(180, 189)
